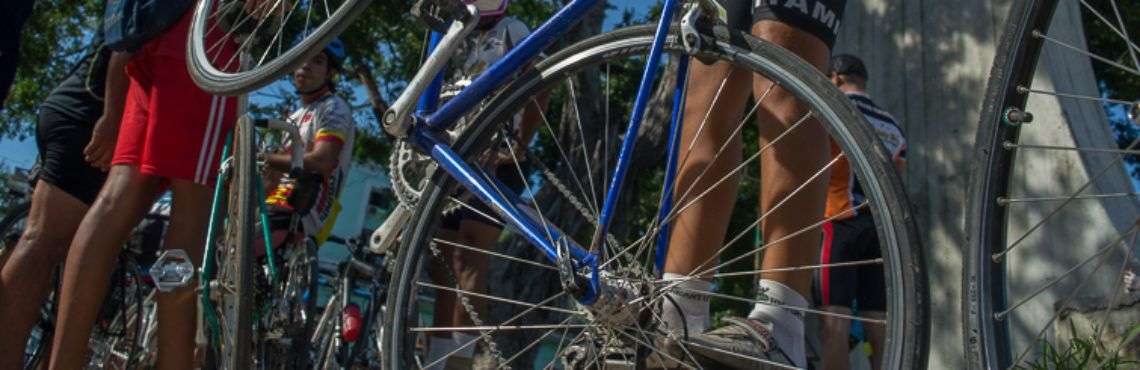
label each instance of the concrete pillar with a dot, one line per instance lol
(928, 63)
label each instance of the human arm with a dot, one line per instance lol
(322, 158)
(101, 148)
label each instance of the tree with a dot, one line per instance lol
(54, 39)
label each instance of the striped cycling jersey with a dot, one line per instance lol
(843, 191)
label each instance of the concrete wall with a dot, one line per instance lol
(928, 62)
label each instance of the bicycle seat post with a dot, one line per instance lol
(397, 121)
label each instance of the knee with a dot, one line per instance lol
(39, 247)
(834, 327)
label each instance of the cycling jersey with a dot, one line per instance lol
(326, 119)
(844, 192)
(481, 50)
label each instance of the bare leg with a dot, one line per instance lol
(833, 338)
(699, 231)
(26, 277)
(177, 310)
(125, 197)
(790, 163)
(876, 334)
(471, 267)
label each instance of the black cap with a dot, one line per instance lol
(847, 64)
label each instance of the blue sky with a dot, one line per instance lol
(22, 154)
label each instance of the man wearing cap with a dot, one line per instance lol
(850, 235)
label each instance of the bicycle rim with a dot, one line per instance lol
(232, 288)
(279, 35)
(550, 318)
(1061, 177)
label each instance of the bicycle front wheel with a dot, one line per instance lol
(523, 316)
(1053, 207)
(279, 35)
(231, 287)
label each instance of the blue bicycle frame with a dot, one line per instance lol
(507, 205)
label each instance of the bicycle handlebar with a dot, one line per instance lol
(297, 150)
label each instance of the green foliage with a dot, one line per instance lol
(1104, 40)
(54, 38)
(1083, 353)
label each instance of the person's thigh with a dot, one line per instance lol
(61, 139)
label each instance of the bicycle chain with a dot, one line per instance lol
(467, 306)
(566, 193)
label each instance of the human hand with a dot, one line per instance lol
(101, 149)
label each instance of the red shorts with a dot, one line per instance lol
(170, 127)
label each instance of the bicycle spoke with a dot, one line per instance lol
(740, 236)
(1008, 201)
(562, 153)
(494, 254)
(1132, 46)
(1123, 33)
(538, 340)
(486, 217)
(1057, 314)
(487, 333)
(496, 299)
(655, 349)
(498, 328)
(1026, 90)
(585, 155)
(998, 256)
(1077, 50)
(876, 261)
(1009, 145)
(677, 210)
(1099, 253)
(1113, 297)
(805, 310)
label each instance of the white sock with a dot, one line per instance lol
(464, 339)
(787, 325)
(437, 348)
(694, 306)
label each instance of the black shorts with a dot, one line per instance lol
(508, 175)
(862, 286)
(61, 140)
(817, 17)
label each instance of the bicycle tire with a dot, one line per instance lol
(234, 351)
(215, 81)
(987, 340)
(907, 348)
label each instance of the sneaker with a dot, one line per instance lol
(741, 344)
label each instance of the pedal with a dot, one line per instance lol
(438, 14)
(172, 270)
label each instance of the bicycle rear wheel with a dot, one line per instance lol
(279, 35)
(562, 176)
(1054, 166)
